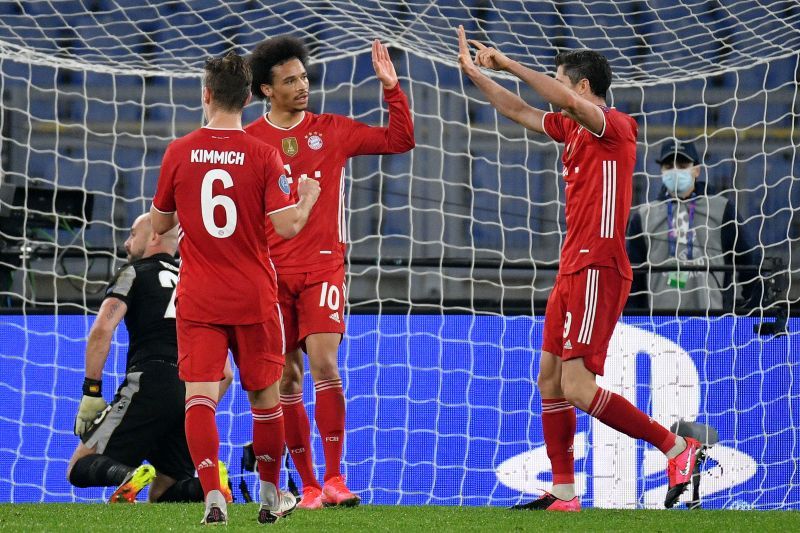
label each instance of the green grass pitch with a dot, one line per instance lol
(180, 517)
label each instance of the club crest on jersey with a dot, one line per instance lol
(289, 145)
(283, 183)
(314, 140)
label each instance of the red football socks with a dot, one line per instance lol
(558, 424)
(203, 440)
(268, 442)
(330, 422)
(618, 413)
(298, 437)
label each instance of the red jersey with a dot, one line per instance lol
(318, 147)
(223, 183)
(598, 171)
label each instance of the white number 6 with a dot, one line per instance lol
(209, 202)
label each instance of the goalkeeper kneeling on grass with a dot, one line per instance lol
(145, 421)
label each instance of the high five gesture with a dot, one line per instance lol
(382, 63)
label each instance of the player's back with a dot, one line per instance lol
(224, 183)
(147, 288)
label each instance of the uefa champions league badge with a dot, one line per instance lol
(314, 140)
(283, 183)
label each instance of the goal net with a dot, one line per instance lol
(453, 247)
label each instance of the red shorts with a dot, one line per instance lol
(581, 314)
(311, 302)
(257, 351)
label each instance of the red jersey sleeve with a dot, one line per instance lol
(398, 137)
(618, 128)
(277, 191)
(554, 126)
(164, 199)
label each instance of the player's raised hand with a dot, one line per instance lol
(90, 408)
(382, 63)
(489, 57)
(464, 57)
(308, 188)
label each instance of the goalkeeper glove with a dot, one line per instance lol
(92, 404)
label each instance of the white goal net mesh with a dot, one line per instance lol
(453, 247)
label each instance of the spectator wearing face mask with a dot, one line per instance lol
(689, 226)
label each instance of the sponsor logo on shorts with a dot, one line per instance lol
(568, 345)
(334, 317)
(265, 458)
(205, 463)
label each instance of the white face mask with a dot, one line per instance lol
(678, 180)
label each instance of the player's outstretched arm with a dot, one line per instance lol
(289, 222)
(111, 313)
(398, 137)
(506, 102)
(579, 109)
(98, 345)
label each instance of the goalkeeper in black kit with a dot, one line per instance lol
(145, 421)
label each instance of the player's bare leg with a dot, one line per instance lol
(578, 383)
(323, 357)
(558, 426)
(268, 444)
(227, 379)
(549, 378)
(298, 429)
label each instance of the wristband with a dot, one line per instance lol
(92, 387)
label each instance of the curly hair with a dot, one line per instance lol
(271, 53)
(228, 78)
(593, 66)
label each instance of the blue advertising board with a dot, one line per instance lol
(443, 409)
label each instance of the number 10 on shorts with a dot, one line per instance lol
(330, 296)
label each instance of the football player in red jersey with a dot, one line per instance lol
(594, 276)
(310, 267)
(221, 184)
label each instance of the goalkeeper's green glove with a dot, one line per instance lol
(92, 404)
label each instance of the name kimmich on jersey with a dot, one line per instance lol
(217, 157)
(223, 185)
